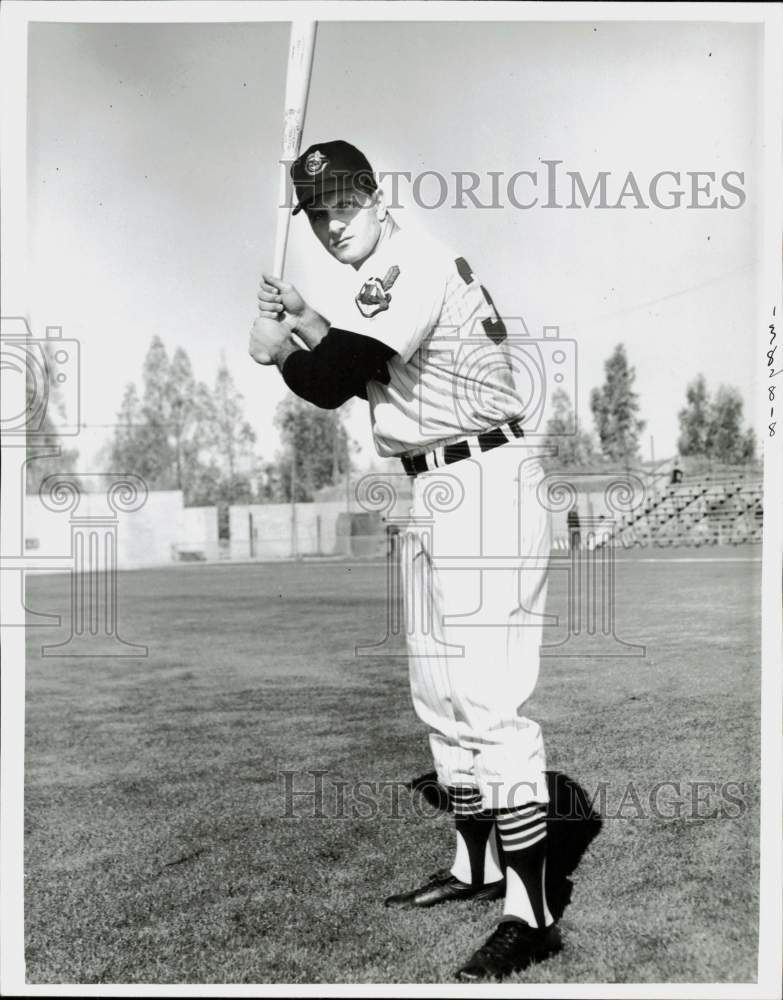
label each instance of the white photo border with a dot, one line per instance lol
(14, 20)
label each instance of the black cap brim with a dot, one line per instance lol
(339, 185)
(328, 189)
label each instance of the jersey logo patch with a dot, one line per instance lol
(373, 296)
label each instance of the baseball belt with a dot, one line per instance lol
(449, 453)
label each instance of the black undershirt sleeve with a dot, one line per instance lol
(337, 368)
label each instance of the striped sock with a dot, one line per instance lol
(475, 861)
(523, 838)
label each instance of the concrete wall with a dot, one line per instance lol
(272, 527)
(163, 531)
(198, 534)
(145, 537)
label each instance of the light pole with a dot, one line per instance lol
(177, 406)
(335, 448)
(294, 545)
(347, 478)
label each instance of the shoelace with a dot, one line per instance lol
(506, 933)
(441, 876)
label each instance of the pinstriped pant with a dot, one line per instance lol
(474, 569)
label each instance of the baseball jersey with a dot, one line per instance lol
(451, 376)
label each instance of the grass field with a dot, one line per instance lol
(157, 846)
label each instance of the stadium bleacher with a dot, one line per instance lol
(718, 509)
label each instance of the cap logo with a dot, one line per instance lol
(315, 163)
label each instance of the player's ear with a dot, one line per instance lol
(380, 205)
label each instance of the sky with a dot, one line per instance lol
(152, 179)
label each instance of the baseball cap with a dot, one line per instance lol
(326, 167)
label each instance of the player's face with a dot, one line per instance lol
(348, 225)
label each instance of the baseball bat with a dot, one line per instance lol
(297, 85)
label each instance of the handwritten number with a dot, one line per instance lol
(770, 362)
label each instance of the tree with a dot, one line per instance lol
(270, 486)
(726, 441)
(712, 427)
(192, 432)
(615, 407)
(203, 485)
(574, 446)
(125, 446)
(232, 438)
(180, 391)
(315, 448)
(156, 460)
(183, 435)
(141, 442)
(44, 435)
(165, 436)
(694, 418)
(748, 446)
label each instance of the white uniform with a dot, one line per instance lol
(450, 379)
(475, 565)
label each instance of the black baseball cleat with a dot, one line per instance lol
(443, 887)
(511, 947)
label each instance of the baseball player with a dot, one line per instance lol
(428, 351)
